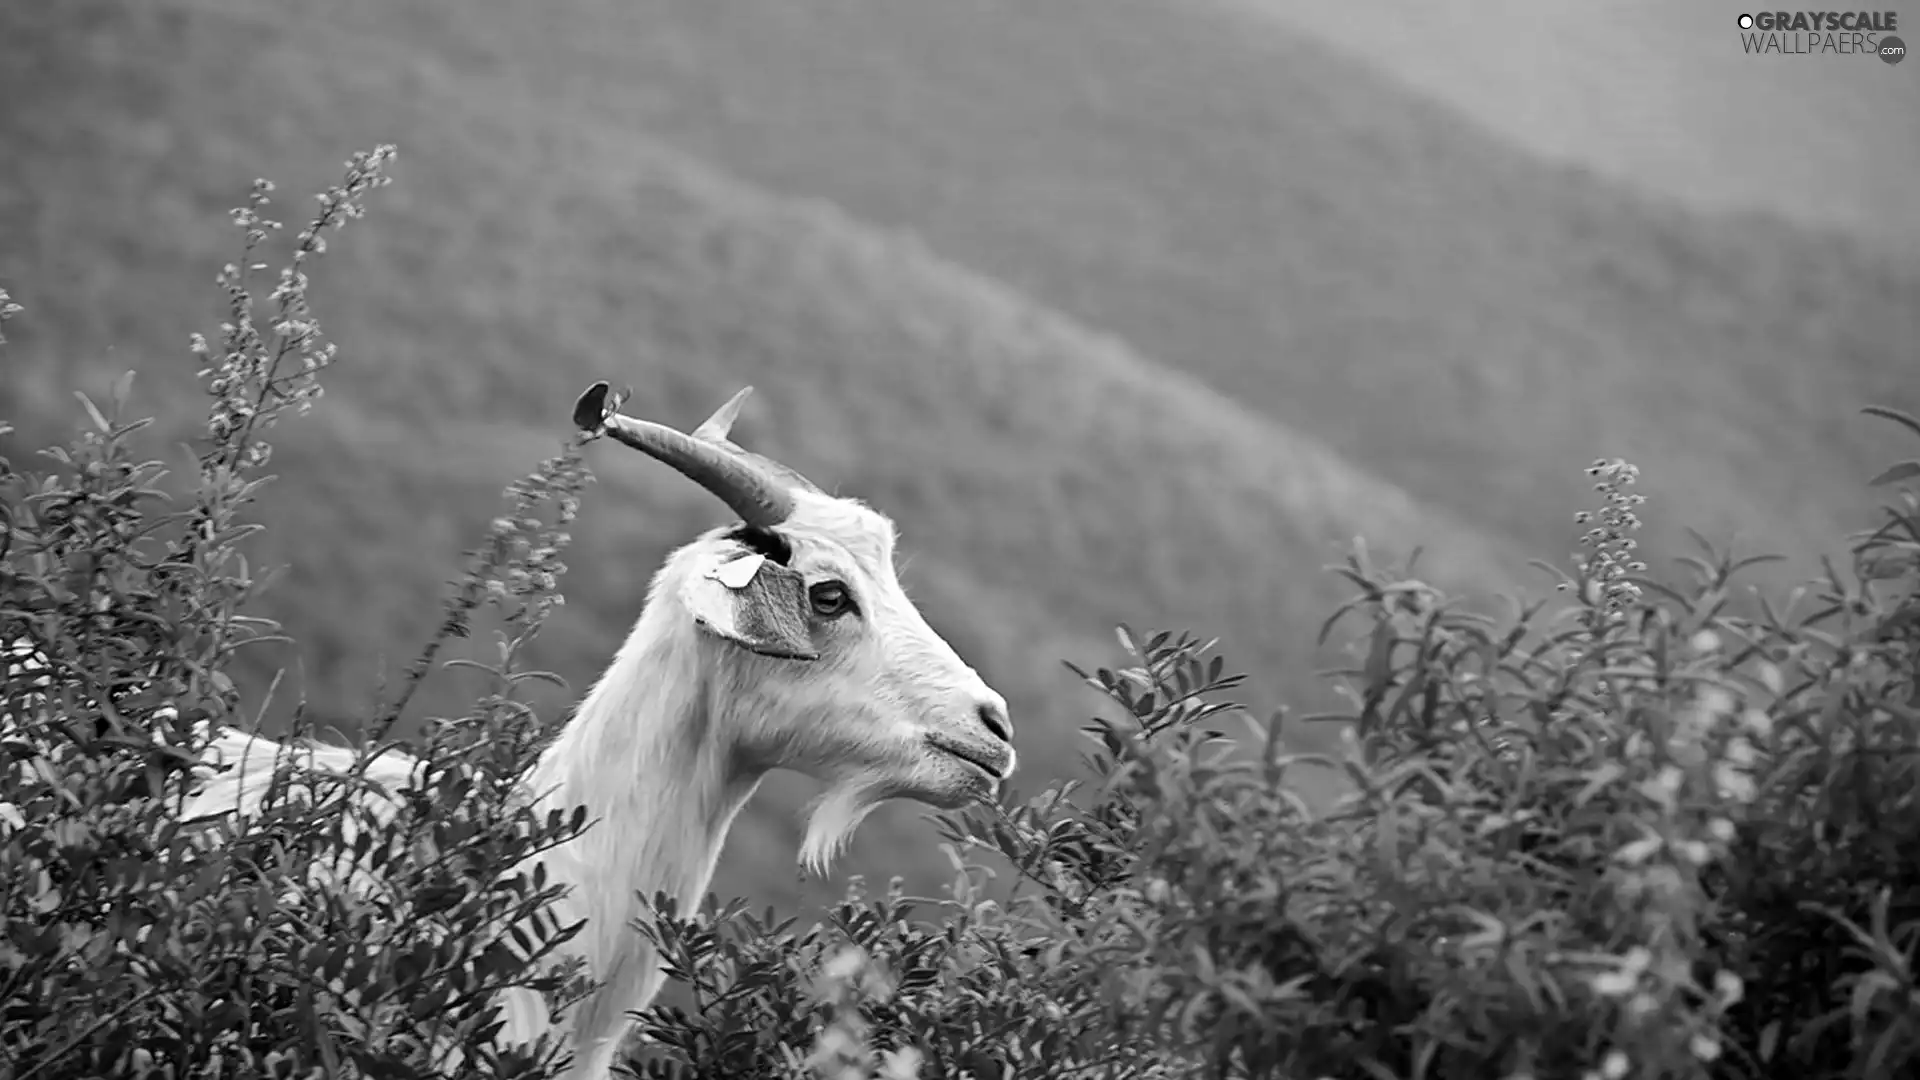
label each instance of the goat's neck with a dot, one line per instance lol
(642, 756)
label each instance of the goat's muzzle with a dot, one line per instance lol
(982, 751)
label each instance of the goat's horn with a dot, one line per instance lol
(755, 494)
(721, 422)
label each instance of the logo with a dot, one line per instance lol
(1817, 33)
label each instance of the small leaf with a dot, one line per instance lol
(1906, 470)
(1895, 415)
(93, 412)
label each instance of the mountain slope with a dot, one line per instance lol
(1286, 225)
(1048, 480)
(1382, 320)
(1666, 98)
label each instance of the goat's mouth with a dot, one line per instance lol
(996, 762)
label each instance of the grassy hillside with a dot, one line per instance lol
(1281, 223)
(1337, 312)
(1048, 481)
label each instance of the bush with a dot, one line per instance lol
(1644, 837)
(133, 946)
(1661, 829)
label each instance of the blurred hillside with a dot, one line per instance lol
(1659, 96)
(1122, 312)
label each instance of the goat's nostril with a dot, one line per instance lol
(993, 716)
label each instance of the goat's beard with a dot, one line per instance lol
(834, 817)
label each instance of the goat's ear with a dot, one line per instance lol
(754, 602)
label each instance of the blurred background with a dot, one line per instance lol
(1127, 310)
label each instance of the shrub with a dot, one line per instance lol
(1638, 836)
(1660, 829)
(134, 946)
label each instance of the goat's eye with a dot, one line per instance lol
(830, 598)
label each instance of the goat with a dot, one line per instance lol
(783, 640)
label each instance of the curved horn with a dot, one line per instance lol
(721, 422)
(756, 494)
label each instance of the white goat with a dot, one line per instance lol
(781, 641)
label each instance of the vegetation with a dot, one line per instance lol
(1643, 832)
